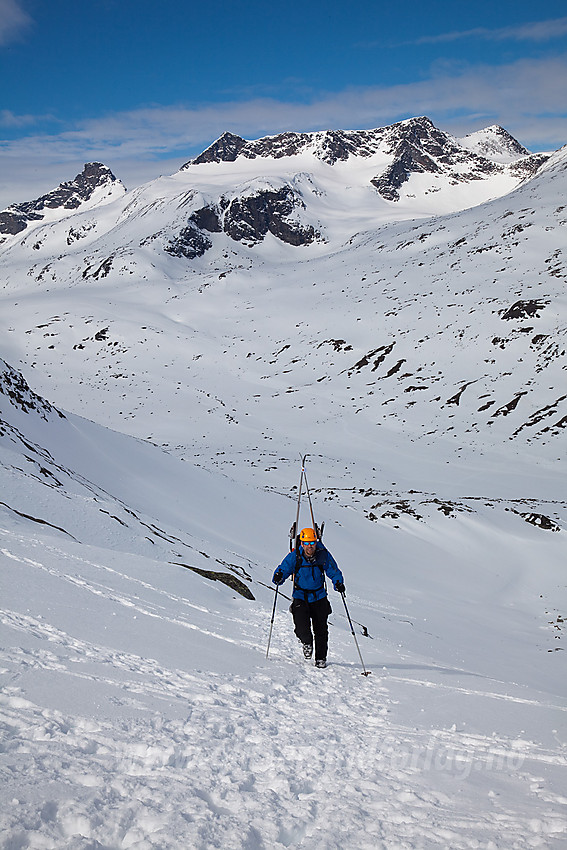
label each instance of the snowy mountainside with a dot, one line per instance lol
(310, 190)
(137, 696)
(88, 483)
(444, 332)
(167, 356)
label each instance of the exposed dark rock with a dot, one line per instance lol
(246, 218)
(339, 145)
(510, 406)
(207, 218)
(100, 269)
(284, 144)
(418, 147)
(14, 222)
(524, 310)
(189, 243)
(250, 218)
(338, 344)
(528, 165)
(16, 389)
(226, 578)
(541, 521)
(330, 146)
(409, 159)
(225, 149)
(499, 140)
(376, 357)
(68, 196)
(544, 413)
(395, 368)
(457, 397)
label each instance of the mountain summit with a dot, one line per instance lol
(386, 308)
(95, 184)
(412, 279)
(301, 189)
(414, 146)
(495, 143)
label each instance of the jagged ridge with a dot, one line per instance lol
(416, 146)
(68, 196)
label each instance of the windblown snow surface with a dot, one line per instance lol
(146, 494)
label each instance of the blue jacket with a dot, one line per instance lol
(310, 579)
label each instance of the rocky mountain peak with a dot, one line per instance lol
(225, 149)
(495, 143)
(416, 145)
(68, 196)
(93, 175)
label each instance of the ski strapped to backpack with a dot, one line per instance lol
(294, 536)
(295, 539)
(293, 532)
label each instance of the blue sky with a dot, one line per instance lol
(143, 86)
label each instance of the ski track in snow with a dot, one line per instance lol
(259, 764)
(287, 756)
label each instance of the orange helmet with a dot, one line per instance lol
(308, 536)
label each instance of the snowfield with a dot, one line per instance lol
(139, 709)
(153, 412)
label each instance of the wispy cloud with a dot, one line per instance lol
(527, 97)
(14, 21)
(12, 120)
(536, 31)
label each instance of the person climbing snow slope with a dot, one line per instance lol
(308, 563)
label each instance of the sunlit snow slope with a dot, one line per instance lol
(153, 408)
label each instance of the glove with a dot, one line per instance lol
(339, 587)
(278, 577)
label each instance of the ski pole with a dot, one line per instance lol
(272, 621)
(365, 672)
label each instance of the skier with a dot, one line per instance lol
(308, 563)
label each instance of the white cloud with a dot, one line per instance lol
(14, 21)
(11, 120)
(528, 98)
(536, 31)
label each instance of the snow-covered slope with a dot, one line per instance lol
(310, 189)
(451, 329)
(138, 707)
(421, 364)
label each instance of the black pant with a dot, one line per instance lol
(304, 613)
